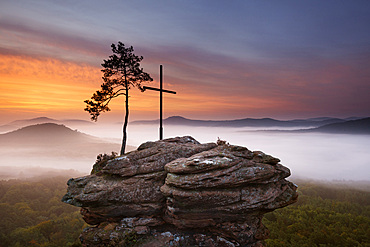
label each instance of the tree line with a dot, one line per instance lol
(323, 216)
(32, 214)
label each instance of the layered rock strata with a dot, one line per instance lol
(178, 192)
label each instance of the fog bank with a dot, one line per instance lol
(308, 155)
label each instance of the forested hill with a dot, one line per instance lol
(325, 215)
(33, 215)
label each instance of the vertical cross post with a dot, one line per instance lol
(161, 102)
(161, 90)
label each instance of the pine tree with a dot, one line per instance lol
(121, 72)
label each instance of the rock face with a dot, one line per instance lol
(178, 192)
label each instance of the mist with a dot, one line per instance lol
(316, 156)
(308, 155)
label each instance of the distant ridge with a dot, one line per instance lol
(45, 134)
(54, 140)
(360, 126)
(37, 120)
(40, 120)
(246, 122)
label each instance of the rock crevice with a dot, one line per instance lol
(178, 192)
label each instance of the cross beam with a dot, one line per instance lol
(158, 89)
(161, 91)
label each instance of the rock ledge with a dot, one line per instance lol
(178, 192)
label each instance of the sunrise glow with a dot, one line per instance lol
(222, 66)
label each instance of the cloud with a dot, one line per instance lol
(21, 38)
(46, 86)
(314, 84)
(249, 59)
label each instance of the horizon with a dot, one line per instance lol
(234, 60)
(226, 60)
(155, 119)
(309, 155)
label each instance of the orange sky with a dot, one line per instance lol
(41, 86)
(31, 87)
(225, 61)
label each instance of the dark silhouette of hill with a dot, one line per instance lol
(331, 119)
(44, 134)
(51, 139)
(41, 120)
(246, 122)
(360, 126)
(25, 122)
(32, 121)
(50, 145)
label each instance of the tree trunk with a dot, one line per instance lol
(124, 138)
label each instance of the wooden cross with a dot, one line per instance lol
(161, 90)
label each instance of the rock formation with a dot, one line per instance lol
(178, 192)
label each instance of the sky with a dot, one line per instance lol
(225, 59)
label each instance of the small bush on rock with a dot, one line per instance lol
(101, 161)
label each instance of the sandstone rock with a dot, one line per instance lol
(152, 156)
(224, 166)
(129, 185)
(178, 192)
